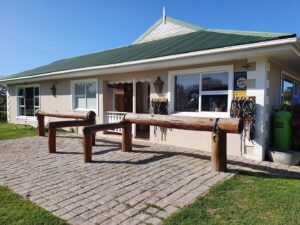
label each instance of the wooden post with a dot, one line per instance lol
(127, 138)
(52, 140)
(94, 134)
(218, 151)
(87, 146)
(41, 125)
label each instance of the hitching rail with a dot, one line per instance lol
(218, 127)
(81, 120)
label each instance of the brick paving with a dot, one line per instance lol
(141, 187)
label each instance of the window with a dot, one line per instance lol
(289, 93)
(84, 94)
(28, 100)
(202, 92)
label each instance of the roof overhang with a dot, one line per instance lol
(268, 48)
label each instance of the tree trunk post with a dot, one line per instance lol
(41, 125)
(218, 151)
(94, 134)
(127, 138)
(52, 140)
(87, 147)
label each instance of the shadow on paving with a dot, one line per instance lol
(160, 155)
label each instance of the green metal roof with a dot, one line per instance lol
(203, 39)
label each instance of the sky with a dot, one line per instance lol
(37, 32)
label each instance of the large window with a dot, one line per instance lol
(202, 92)
(28, 100)
(84, 94)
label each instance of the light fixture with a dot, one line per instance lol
(158, 85)
(53, 90)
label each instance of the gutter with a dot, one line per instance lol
(146, 63)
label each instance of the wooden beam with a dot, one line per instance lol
(89, 116)
(228, 125)
(70, 123)
(127, 137)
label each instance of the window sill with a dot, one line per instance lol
(203, 114)
(31, 118)
(84, 110)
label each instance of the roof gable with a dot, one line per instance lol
(167, 27)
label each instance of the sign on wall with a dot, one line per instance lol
(240, 84)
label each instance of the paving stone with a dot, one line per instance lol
(154, 221)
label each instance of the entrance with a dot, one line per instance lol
(143, 106)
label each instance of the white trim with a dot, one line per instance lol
(112, 68)
(73, 82)
(31, 118)
(214, 69)
(7, 104)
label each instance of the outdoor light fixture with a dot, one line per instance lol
(158, 85)
(53, 90)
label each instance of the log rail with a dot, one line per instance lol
(81, 120)
(218, 126)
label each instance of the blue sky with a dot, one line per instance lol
(34, 32)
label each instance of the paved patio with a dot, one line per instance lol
(141, 187)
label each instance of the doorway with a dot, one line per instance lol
(143, 106)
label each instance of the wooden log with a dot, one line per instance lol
(127, 137)
(87, 147)
(103, 127)
(70, 123)
(52, 140)
(219, 151)
(91, 115)
(228, 125)
(41, 125)
(94, 134)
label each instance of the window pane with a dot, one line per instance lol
(21, 92)
(214, 103)
(215, 82)
(80, 102)
(21, 111)
(29, 101)
(36, 101)
(36, 91)
(187, 93)
(91, 90)
(288, 87)
(21, 101)
(80, 89)
(91, 103)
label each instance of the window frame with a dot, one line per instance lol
(206, 70)
(35, 97)
(73, 96)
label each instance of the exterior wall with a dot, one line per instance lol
(197, 140)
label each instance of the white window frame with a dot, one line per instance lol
(73, 82)
(207, 70)
(35, 107)
(296, 82)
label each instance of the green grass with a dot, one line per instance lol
(247, 198)
(16, 210)
(12, 131)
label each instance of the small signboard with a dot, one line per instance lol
(240, 84)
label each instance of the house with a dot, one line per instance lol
(187, 70)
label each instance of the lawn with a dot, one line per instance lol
(12, 131)
(16, 210)
(247, 198)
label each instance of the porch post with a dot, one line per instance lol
(134, 105)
